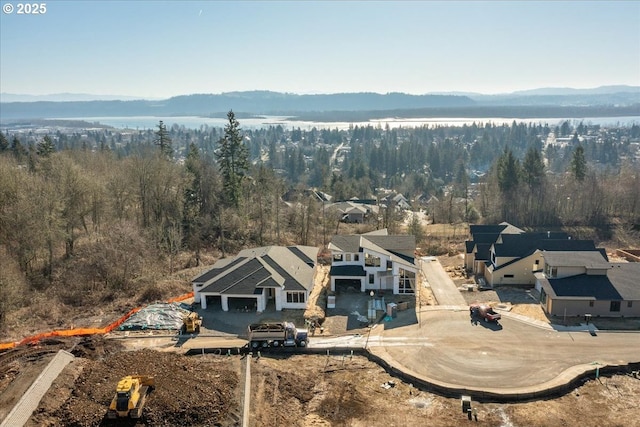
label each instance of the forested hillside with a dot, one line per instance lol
(88, 217)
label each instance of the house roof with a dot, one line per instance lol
(620, 283)
(291, 268)
(469, 245)
(399, 248)
(486, 228)
(484, 251)
(521, 245)
(589, 259)
(624, 276)
(583, 285)
(503, 227)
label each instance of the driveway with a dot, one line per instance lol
(443, 288)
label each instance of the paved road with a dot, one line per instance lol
(451, 350)
(444, 290)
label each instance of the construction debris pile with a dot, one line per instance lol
(162, 316)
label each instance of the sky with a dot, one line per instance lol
(159, 49)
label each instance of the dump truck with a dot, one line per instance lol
(263, 335)
(191, 323)
(130, 397)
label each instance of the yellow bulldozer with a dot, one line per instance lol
(191, 323)
(130, 397)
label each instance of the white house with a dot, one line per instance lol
(373, 261)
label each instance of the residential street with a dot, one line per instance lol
(450, 349)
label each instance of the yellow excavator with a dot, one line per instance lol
(130, 397)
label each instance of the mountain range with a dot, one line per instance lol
(608, 100)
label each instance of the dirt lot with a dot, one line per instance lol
(295, 390)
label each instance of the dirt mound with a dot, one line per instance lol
(189, 390)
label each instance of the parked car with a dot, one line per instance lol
(484, 312)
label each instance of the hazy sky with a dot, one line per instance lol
(163, 48)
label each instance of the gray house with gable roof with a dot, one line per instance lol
(579, 283)
(257, 277)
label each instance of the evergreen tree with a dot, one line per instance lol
(508, 172)
(533, 168)
(45, 147)
(4, 143)
(163, 141)
(18, 150)
(579, 164)
(232, 158)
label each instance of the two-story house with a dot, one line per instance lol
(478, 246)
(515, 258)
(373, 261)
(580, 283)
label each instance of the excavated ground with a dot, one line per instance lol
(294, 390)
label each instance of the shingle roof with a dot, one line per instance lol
(469, 245)
(345, 243)
(484, 251)
(400, 248)
(219, 268)
(592, 259)
(624, 276)
(521, 245)
(583, 285)
(291, 268)
(486, 228)
(485, 237)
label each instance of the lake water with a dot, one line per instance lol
(195, 122)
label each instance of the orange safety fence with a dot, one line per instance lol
(181, 297)
(83, 331)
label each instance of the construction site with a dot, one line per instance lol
(275, 387)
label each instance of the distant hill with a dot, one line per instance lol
(287, 104)
(602, 90)
(255, 102)
(63, 97)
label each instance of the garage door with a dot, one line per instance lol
(242, 304)
(348, 285)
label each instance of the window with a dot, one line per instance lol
(356, 257)
(337, 257)
(295, 297)
(389, 265)
(508, 276)
(371, 261)
(371, 279)
(406, 281)
(591, 304)
(347, 257)
(537, 262)
(615, 306)
(629, 304)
